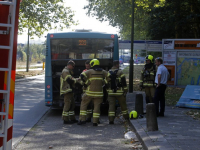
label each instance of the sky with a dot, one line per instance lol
(85, 22)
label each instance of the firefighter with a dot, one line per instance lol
(147, 79)
(117, 91)
(89, 108)
(66, 85)
(93, 79)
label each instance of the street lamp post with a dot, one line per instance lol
(131, 60)
(27, 53)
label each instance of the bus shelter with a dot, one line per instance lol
(182, 59)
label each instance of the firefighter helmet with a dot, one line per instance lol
(94, 62)
(149, 57)
(133, 114)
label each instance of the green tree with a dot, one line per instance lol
(119, 13)
(40, 15)
(176, 19)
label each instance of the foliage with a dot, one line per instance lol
(37, 52)
(177, 19)
(119, 13)
(195, 114)
(42, 15)
(21, 55)
(153, 19)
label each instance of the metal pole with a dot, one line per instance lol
(131, 60)
(27, 54)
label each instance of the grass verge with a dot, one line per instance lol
(195, 114)
(23, 74)
(172, 94)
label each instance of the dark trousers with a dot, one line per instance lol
(159, 98)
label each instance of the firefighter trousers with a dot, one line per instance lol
(149, 91)
(69, 106)
(86, 100)
(89, 110)
(112, 106)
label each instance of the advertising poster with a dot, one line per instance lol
(195, 45)
(168, 44)
(169, 58)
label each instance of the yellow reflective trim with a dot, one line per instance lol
(66, 91)
(83, 114)
(94, 92)
(108, 74)
(95, 79)
(82, 110)
(86, 82)
(111, 112)
(95, 95)
(68, 76)
(115, 94)
(111, 115)
(118, 91)
(106, 81)
(152, 74)
(96, 113)
(141, 81)
(125, 111)
(147, 84)
(122, 75)
(84, 74)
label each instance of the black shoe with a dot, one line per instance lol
(111, 122)
(74, 121)
(81, 122)
(95, 124)
(67, 122)
(88, 120)
(99, 122)
(161, 115)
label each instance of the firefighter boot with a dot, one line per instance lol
(95, 124)
(111, 122)
(81, 122)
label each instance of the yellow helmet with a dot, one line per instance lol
(149, 57)
(94, 62)
(133, 114)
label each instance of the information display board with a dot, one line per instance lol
(182, 59)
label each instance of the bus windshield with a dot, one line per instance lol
(76, 48)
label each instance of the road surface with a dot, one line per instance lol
(29, 106)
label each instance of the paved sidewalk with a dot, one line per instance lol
(177, 131)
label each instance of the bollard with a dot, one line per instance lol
(151, 118)
(43, 65)
(139, 104)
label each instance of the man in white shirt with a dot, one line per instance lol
(162, 76)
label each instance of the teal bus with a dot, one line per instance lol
(79, 47)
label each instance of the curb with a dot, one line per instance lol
(142, 136)
(150, 140)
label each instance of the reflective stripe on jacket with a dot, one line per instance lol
(120, 90)
(95, 81)
(64, 85)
